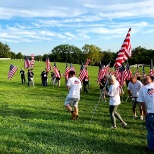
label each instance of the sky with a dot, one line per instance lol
(38, 26)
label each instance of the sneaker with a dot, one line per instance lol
(141, 117)
(74, 115)
(124, 124)
(113, 127)
(135, 117)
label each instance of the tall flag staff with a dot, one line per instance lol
(151, 72)
(143, 71)
(12, 71)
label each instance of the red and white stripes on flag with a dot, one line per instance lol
(48, 65)
(27, 63)
(87, 62)
(66, 72)
(55, 69)
(32, 60)
(129, 73)
(102, 72)
(83, 73)
(125, 51)
(12, 71)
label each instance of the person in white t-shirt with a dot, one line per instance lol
(73, 97)
(114, 93)
(146, 98)
(133, 89)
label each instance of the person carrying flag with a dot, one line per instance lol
(73, 97)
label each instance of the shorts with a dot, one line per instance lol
(72, 101)
(135, 103)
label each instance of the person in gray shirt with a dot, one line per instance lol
(133, 90)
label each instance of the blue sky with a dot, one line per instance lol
(36, 26)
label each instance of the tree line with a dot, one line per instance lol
(72, 54)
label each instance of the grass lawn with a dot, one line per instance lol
(33, 119)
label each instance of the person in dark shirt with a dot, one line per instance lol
(22, 73)
(44, 78)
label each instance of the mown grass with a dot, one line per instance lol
(33, 119)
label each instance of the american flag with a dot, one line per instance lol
(32, 60)
(27, 63)
(48, 66)
(102, 72)
(83, 73)
(55, 69)
(151, 72)
(125, 51)
(87, 62)
(128, 71)
(123, 75)
(66, 72)
(72, 67)
(150, 91)
(12, 71)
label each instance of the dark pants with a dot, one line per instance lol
(85, 83)
(45, 83)
(114, 114)
(150, 128)
(23, 79)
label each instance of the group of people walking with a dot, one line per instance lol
(141, 93)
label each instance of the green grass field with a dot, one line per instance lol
(33, 119)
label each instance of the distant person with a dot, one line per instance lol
(30, 77)
(146, 98)
(103, 86)
(73, 97)
(44, 76)
(114, 94)
(53, 78)
(22, 73)
(134, 87)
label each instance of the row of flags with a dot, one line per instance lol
(121, 72)
(48, 67)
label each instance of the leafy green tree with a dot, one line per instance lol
(93, 52)
(4, 51)
(66, 52)
(19, 55)
(13, 55)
